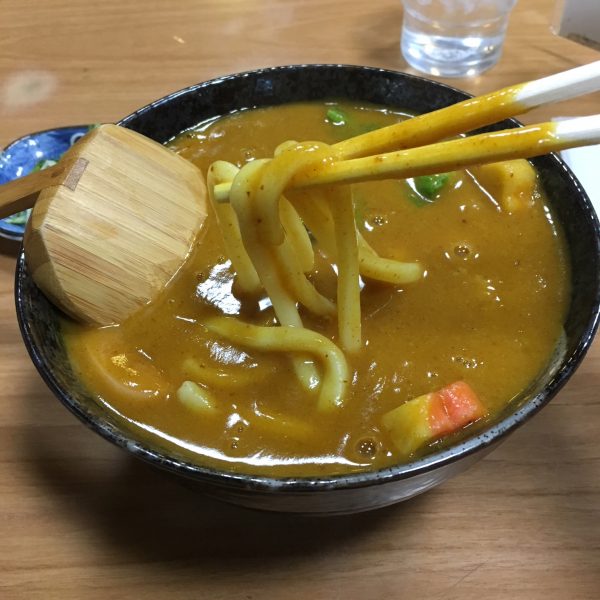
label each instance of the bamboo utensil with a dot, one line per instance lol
(452, 120)
(353, 163)
(111, 224)
(522, 142)
(474, 113)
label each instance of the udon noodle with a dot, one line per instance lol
(270, 249)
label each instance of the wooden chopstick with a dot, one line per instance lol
(474, 113)
(521, 142)
(447, 122)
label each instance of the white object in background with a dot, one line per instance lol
(584, 164)
(561, 86)
(579, 20)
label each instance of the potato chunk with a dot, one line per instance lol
(431, 416)
(512, 183)
(196, 398)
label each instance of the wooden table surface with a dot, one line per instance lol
(81, 519)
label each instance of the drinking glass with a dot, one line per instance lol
(454, 38)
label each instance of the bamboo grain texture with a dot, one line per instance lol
(79, 519)
(22, 193)
(117, 229)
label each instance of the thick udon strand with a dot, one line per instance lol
(376, 267)
(294, 228)
(211, 376)
(247, 278)
(334, 382)
(341, 205)
(285, 262)
(290, 256)
(318, 218)
(298, 235)
(289, 160)
(298, 285)
(295, 255)
(329, 213)
(264, 262)
(272, 236)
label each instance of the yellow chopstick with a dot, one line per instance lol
(522, 142)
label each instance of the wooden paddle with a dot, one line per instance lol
(111, 224)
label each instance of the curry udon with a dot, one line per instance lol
(432, 355)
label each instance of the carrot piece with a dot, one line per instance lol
(461, 404)
(425, 418)
(440, 422)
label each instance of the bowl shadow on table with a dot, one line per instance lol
(551, 471)
(147, 514)
(143, 516)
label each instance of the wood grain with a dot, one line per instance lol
(106, 241)
(80, 519)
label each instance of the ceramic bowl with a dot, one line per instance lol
(167, 117)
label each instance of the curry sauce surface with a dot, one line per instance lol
(489, 311)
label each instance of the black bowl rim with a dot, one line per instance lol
(298, 485)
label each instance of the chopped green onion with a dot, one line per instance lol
(43, 164)
(19, 218)
(417, 199)
(430, 185)
(336, 116)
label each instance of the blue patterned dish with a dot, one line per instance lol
(29, 153)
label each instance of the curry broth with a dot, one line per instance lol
(489, 311)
